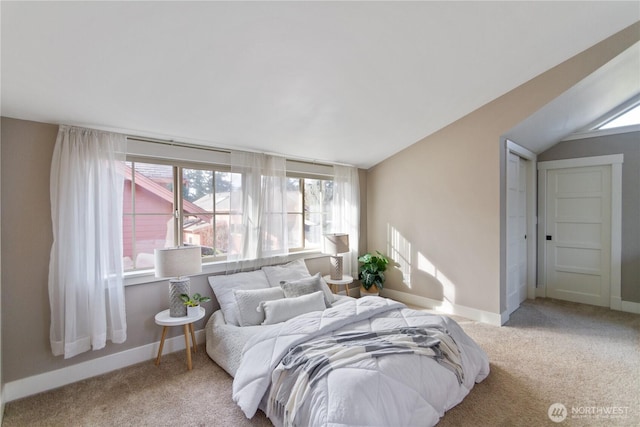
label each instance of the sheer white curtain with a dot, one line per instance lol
(258, 203)
(346, 213)
(86, 290)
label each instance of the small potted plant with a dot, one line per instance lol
(193, 303)
(371, 273)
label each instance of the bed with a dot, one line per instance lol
(336, 360)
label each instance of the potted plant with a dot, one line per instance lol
(193, 303)
(371, 273)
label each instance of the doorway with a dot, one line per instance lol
(520, 226)
(579, 232)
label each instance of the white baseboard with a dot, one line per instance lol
(446, 307)
(631, 307)
(1, 403)
(504, 317)
(615, 303)
(49, 380)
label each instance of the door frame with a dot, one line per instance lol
(531, 158)
(613, 160)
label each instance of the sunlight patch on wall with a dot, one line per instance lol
(425, 265)
(399, 250)
(448, 287)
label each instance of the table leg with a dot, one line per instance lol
(193, 338)
(164, 333)
(186, 341)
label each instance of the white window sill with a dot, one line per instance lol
(148, 276)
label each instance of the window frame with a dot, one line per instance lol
(134, 215)
(593, 129)
(604, 125)
(214, 214)
(142, 151)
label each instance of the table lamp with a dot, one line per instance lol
(335, 244)
(178, 263)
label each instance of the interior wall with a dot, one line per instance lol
(1, 379)
(362, 243)
(629, 145)
(437, 207)
(431, 209)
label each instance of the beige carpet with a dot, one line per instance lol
(586, 358)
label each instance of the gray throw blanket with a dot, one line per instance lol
(306, 363)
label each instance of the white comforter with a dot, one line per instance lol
(399, 390)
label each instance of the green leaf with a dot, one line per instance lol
(371, 270)
(366, 258)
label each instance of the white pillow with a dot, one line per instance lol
(223, 287)
(249, 300)
(296, 288)
(294, 270)
(281, 310)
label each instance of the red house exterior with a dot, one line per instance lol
(149, 217)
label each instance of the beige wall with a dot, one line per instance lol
(432, 210)
(1, 381)
(362, 243)
(436, 207)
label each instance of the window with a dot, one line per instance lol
(205, 210)
(309, 209)
(627, 118)
(148, 212)
(295, 214)
(318, 199)
(169, 205)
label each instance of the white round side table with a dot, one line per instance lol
(345, 281)
(163, 319)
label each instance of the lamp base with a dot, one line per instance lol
(176, 288)
(336, 267)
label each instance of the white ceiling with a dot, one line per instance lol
(347, 82)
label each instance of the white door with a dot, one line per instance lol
(578, 234)
(516, 231)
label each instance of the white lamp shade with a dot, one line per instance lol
(178, 262)
(337, 243)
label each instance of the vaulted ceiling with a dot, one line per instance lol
(347, 82)
(614, 84)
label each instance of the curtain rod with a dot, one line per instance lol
(171, 142)
(227, 151)
(176, 143)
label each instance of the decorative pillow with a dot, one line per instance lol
(223, 287)
(308, 285)
(281, 310)
(249, 300)
(283, 273)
